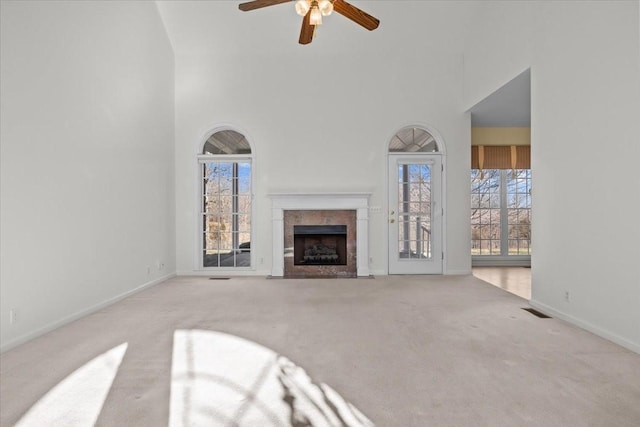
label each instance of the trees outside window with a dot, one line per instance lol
(501, 212)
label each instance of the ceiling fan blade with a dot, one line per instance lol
(306, 32)
(257, 4)
(356, 15)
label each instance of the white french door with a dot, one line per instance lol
(415, 214)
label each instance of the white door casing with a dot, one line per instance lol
(415, 214)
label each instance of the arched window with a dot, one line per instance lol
(226, 196)
(413, 140)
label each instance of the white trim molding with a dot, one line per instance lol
(548, 310)
(321, 201)
(80, 314)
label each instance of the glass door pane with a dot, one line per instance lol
(415, 214)
(414, 211)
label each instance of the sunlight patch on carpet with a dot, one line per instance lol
(78, 399)
(221, 379)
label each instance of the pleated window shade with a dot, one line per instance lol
(501, 157)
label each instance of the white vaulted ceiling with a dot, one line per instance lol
(420, 27)
(219, 26)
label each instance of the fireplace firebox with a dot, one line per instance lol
(326, 237)
(320, 245)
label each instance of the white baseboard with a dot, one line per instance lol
(635, 347)
(68, 319)
(457, 272)
(251, 273)
(222, 272)
(448, 273)
(266, 273)
(490, 261)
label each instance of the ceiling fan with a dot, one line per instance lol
(314, 10)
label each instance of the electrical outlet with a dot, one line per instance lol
(13, 316)
(566, 296)
(148, 269)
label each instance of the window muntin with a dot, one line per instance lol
(501, 212)
(413, 140)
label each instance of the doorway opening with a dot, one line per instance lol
(501, 183)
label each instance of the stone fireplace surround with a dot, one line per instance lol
(324, 217)
(359, 202)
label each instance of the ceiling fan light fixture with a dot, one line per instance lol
(312, 12)
(326, 7)
(302, 7)
(316, 15)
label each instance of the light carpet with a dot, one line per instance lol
(403, 350)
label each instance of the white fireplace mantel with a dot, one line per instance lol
(359, 202)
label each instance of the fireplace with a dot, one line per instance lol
(319, 245)
(350, 210)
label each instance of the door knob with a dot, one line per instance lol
(392, 212)
(392, 220)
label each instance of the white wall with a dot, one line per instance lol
(87, 158)
(321, 116)
(585, 150)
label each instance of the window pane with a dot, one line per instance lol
(227, 214)
(519, 212)
(416, 208)
(487, 211)
(227, 142)
(244, 204)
